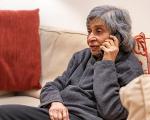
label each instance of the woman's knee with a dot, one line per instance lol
(4, 112)
(11, 112)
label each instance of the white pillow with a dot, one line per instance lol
(135, 97)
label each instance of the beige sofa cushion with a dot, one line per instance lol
(67, 44)
(23, 100)
(135, 98)
(4, 93)
(57, 47)
(48, 38)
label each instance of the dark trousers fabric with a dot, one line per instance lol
(22, 112)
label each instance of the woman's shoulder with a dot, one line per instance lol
(129, 60)
(82, 54)
(128, 68)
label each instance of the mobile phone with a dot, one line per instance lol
(119, 36)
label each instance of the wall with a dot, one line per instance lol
(71, 14)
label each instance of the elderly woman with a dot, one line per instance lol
(89, 88)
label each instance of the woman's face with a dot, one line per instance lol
(97, 34)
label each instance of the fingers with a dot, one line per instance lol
(58, 111)
(65, 114)
(56, 115)
(53, 114)
(59, 114)
(115, 40)
(111, 42)
(108, 43)
(104, 48)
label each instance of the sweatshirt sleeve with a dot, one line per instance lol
(106, 89)
(51, 91)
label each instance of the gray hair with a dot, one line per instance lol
(117, 21)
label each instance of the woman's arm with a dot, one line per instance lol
(106, 87)
(51, 91)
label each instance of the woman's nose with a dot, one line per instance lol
(91, 37)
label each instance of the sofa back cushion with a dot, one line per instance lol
(57, 48)
(48, 38)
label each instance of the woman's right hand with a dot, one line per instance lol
(58, 111)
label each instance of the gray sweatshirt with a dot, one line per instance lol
(90, 88)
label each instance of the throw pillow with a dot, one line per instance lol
(142, 51)
(20, 66)
(136, 99)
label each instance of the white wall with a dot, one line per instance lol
(71, 14)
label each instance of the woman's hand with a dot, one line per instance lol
(58, 111)
(110, 48)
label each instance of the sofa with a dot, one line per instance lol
(43, 53)
(57, 47)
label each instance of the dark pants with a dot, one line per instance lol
(21, 112)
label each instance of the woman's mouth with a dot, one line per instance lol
(94, 48)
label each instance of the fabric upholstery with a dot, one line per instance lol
(23, 100)
(135, 98)
(3, 93)
(19, 50)
(66, 44)
(57, 47)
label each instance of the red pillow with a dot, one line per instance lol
(20, 64)
(142, 51)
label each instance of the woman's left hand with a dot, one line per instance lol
(110, 48)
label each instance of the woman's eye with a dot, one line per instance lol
(89, 31)
(98, 30)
